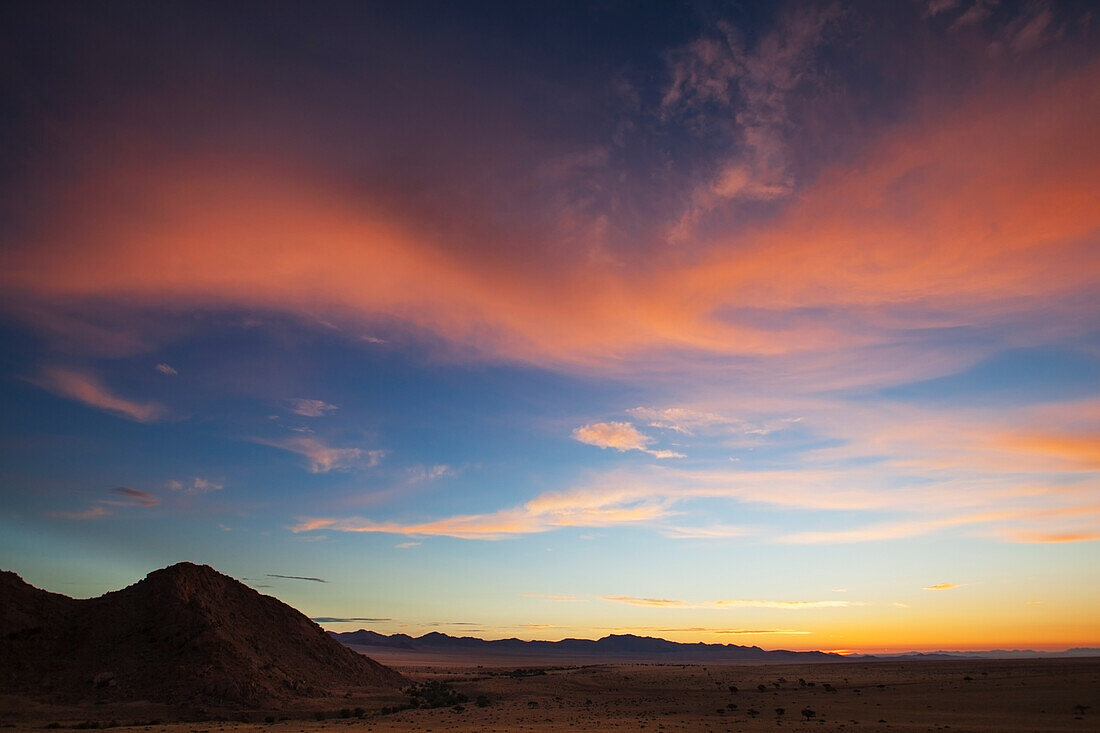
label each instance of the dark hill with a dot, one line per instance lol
(184, 635)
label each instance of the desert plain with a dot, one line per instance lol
(957, 696)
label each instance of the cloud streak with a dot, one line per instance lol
(310, 408)
(297, 577)
(89, 390)
(322, 457)
(727, 604)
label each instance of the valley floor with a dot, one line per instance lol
(955, 696)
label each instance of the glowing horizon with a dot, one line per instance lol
(775, 325)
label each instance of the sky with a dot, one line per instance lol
(766, 323)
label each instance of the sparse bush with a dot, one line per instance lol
(761, 688)
(345, 712)
(483, 701)
(733, 689)
(360, 712)
(808, 714)
(433, 694)
(270, 719)
(318, 714)
(753, 712)
(780, 712)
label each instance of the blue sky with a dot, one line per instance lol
(767, 323)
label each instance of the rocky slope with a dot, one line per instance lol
(184, 635)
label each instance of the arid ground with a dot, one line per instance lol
(1033, 695)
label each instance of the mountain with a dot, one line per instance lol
(185, 634)
(986, 654)
(613, 647)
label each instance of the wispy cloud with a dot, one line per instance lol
(134, 496)
(1053, 537)
(991, 495)
(754, 85)
(322, 457)
(978, 11)
(347, 619)
(431, 473)
(709, 532)
(556, 597)
(296, 577)
(406, 545)
(622, 436)
(310, 408)
(727, 604)
(194, 485)
(943, 586)
(121, 497)
(542, 514)
(166, 369)
(754, 632)
(95, 512)
(86, 388)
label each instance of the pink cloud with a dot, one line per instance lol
(86, 388)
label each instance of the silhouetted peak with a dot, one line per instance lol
(183, 632)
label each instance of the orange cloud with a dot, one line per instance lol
(973, 214)
(942, 586)
(621, 436)
(1054, 537)
(541, 514)
(1080, 452)
(737, 603)
(86, 388)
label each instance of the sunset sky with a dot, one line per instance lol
(749, 322)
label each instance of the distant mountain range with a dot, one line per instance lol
(613, 647)
(987, 654)
(618, 647)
